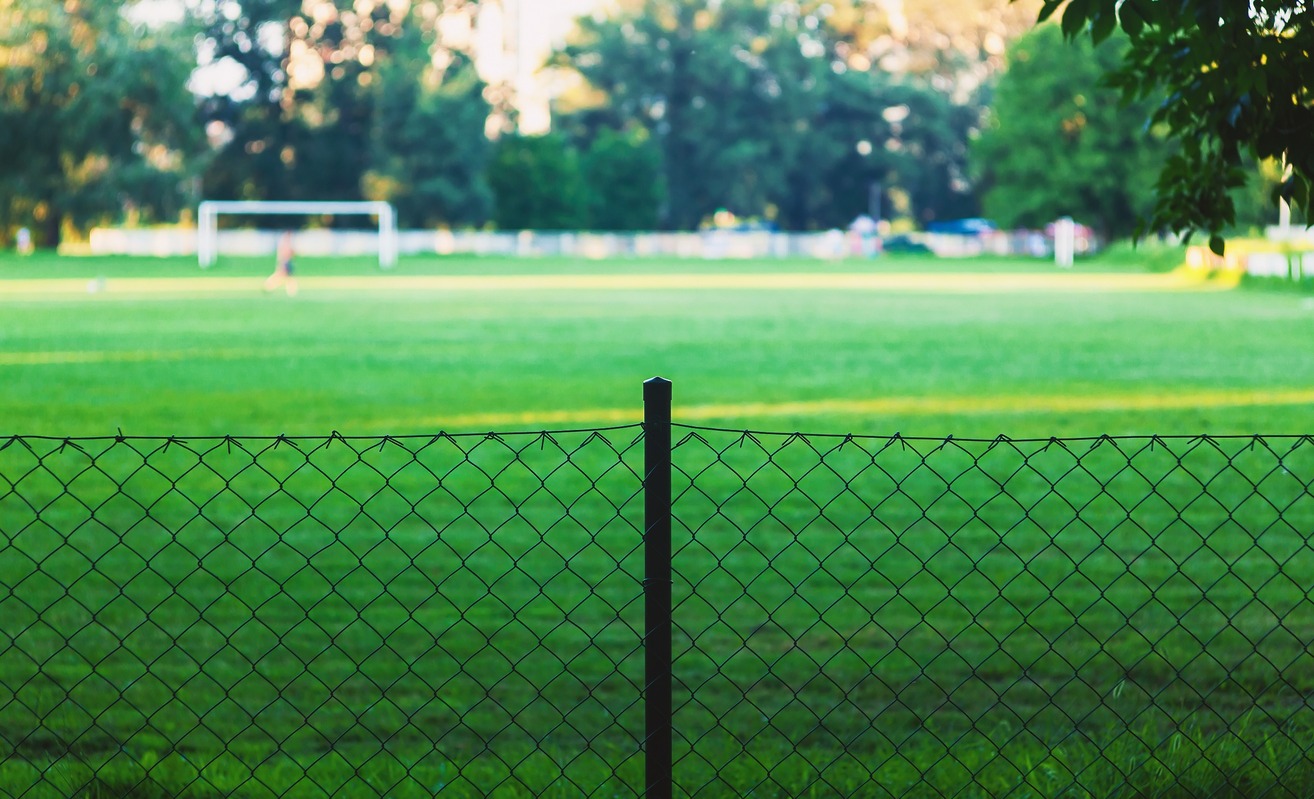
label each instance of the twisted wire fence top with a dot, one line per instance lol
(854, 616)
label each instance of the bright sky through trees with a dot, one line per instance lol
(543, 25)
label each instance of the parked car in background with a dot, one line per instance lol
(903, 243)
(963, 227)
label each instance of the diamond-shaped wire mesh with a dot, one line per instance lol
(893, 617)
(462, 615)
(320, 617)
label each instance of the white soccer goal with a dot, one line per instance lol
(207, 222)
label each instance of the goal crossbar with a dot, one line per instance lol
(207, 221)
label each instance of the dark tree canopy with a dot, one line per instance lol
(95, 117)
(347, 99)
(754, 109)
(537, 184)
(1057, 142)
(1232, 79)
(428, 153)
(623, 175)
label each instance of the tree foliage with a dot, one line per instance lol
(1059, 143)
(348, 98)
(623, 176)
(684, 72)
(959, 44)
(1231, 82)
(429, 154)
(253, 127)
(94, 115)
(537, 184)
(755, 109)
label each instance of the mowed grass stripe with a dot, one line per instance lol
(943, 282)
(891, 406)
(58, 358)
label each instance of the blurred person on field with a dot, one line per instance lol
(24, 241)
(283, 269)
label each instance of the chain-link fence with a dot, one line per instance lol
(465, 616)
(455, 615)
(943, 618)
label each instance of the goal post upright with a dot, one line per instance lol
(387, 236)
(206, 235)
(207, 222)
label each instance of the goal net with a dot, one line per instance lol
(207, 221)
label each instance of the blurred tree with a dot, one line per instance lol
(429, 153)
(244, 54)
(95, 116)
(1230, 81)
(865, 133)
(1059, 143)
(755, 110)
(623, 176)
(933, 147)
(537, 184)
(957, 45)
(680, 70)
(342, 98)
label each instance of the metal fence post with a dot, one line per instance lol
(658, 765)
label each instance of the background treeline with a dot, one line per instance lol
(802, 115)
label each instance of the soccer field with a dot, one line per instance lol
(978, 349)
(460, 614)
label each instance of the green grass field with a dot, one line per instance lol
(946, 355)
(459, 614)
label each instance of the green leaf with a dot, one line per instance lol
(1102, 25)
(1216, 244)
(1048, 9)
(1131, 18)
(1075, 17)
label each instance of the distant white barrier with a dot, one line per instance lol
(709, 244)
(1284, 265)
(1269, 264)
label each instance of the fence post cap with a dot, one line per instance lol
(657, 389)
